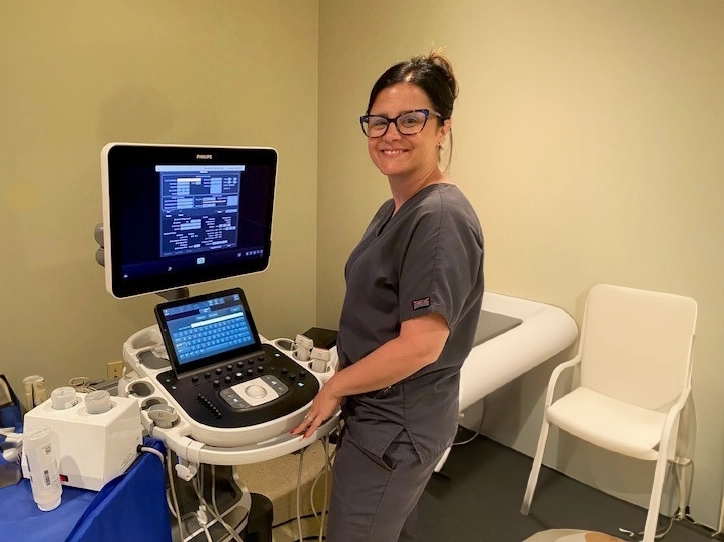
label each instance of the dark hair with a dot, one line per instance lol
(432, 73)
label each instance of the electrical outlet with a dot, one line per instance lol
(115, 370)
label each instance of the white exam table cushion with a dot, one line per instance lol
(545, 331)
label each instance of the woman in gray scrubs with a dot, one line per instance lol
(413, 298)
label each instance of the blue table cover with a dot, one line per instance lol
(131, 507)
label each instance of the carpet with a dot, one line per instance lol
(571, 535)
(277, 479)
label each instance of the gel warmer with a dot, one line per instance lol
(96, 436)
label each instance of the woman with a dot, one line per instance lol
(414, 291)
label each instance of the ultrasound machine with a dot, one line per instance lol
(208, 385)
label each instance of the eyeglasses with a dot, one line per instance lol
(409, 123)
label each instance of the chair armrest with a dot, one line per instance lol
(674, 411)
(667, 443)
(554, 377)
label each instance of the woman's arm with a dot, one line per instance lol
(420, 343)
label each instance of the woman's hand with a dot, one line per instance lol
(324, 406)
(420, 342)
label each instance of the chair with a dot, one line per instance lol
(635, 355)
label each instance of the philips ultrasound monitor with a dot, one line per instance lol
(177, 215)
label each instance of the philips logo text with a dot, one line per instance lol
(204, 156)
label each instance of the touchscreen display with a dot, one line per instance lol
(206, 330)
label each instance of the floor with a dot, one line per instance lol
(478, 500)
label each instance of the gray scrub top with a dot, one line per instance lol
(426, 258)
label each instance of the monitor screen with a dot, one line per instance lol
(208, 329)
(180, 215)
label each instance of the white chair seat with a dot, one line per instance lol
(609, 423)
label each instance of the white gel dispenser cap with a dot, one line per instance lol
(98, 402)
(63, 398)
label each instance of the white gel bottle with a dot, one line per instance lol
(42, 463)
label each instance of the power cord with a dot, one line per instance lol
(299, 490)
(176, 509)
(288, 521)
(477, 432)
(153, 451)
(81, 384)
(201, 516)
(324, 470)
(660, 533)
(216, 508)
(195, 484)
(327, 464)
(689, 519)
(203, 520)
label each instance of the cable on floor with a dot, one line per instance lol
(478, 432)
(663, 531)
(288, 521)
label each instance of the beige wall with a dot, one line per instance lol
(76, 75)
(588, 136)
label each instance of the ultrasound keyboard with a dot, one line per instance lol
(210, 338)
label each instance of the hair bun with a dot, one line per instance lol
(441, 61)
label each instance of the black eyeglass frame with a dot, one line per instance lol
(427, 112)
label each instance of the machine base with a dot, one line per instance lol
(233, 500)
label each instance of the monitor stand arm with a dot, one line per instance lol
(176, 293)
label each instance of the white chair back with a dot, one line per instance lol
(636, 345)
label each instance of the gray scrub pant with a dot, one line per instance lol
(374, 499)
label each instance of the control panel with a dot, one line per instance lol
(243, 392)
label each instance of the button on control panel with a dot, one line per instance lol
(254, 392)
